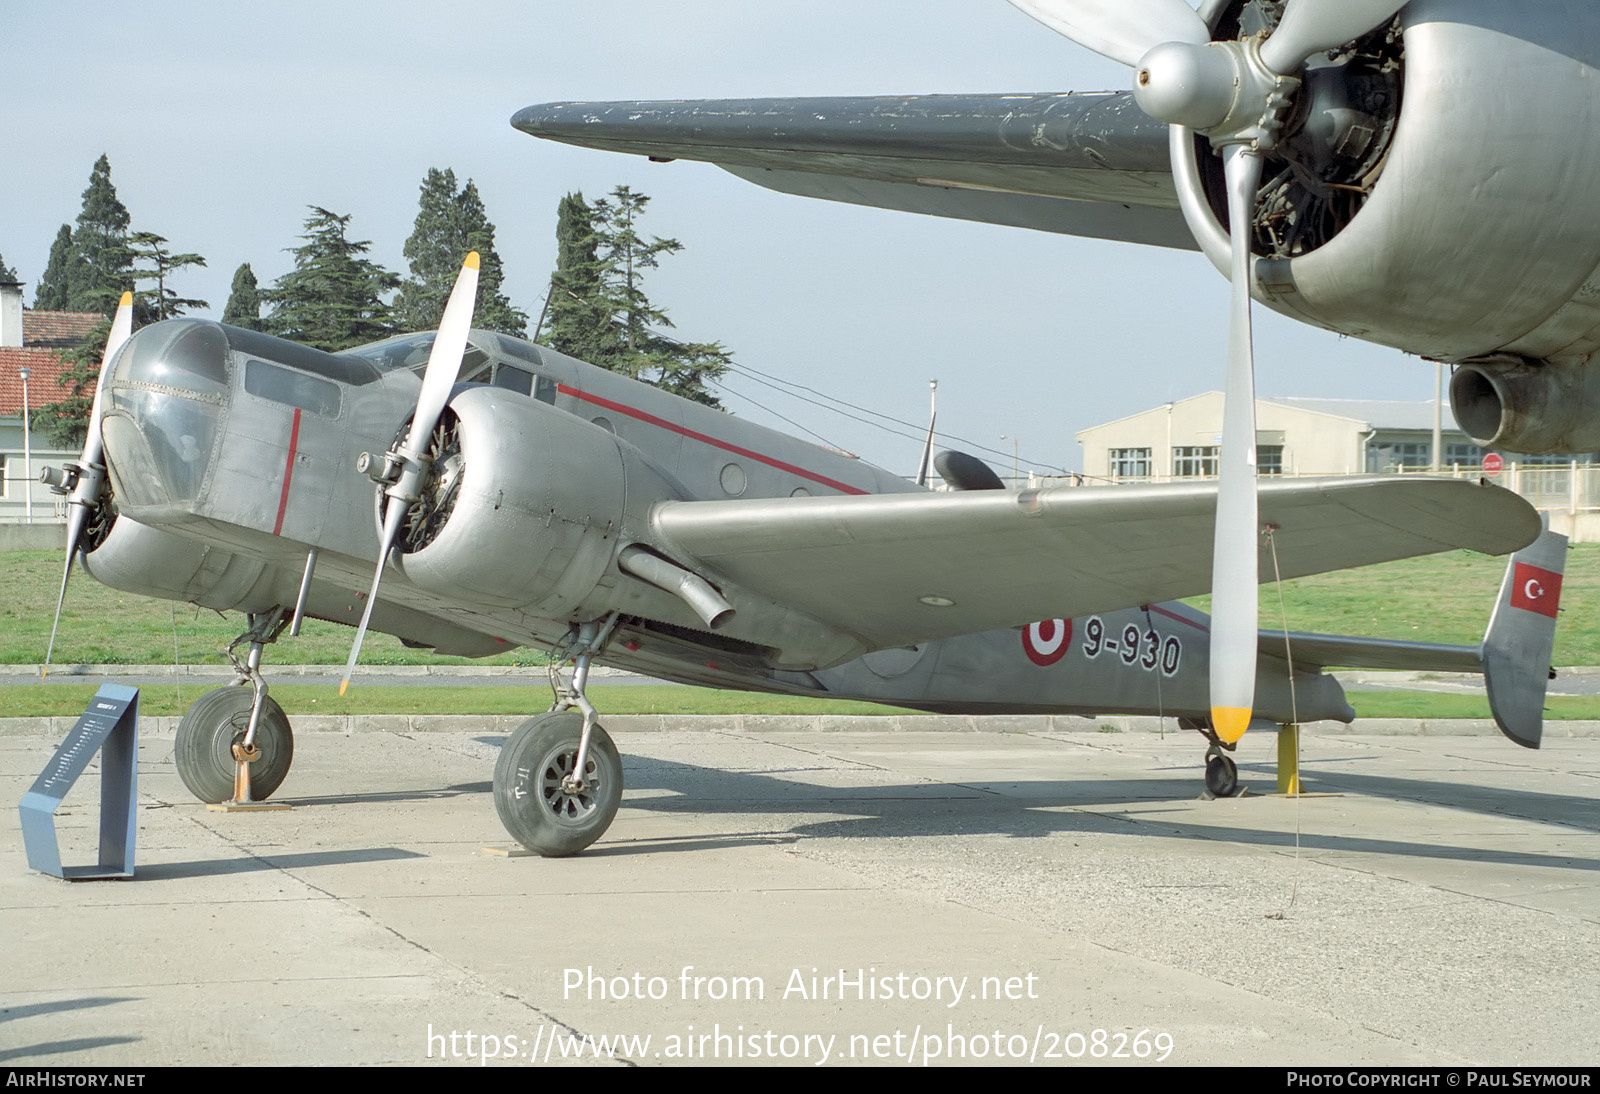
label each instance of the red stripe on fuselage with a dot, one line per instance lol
(288, 471)
(1159, 610)
(642, 416)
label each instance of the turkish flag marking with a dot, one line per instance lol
(1535, 590)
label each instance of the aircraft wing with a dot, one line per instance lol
(904, 568)
(1089, 165)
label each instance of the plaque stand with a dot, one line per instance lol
(110, 726)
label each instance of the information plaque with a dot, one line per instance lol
(110, 726)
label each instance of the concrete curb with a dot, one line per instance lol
(623, 724)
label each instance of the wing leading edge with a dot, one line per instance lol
(1091, 165)
(899, 569)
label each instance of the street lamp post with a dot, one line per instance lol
(27, 452)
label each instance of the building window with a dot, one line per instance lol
(1269, 459)
(1400, 456)
(1194, 462)
(5, 482)
(1130, 463)
(1463, 455)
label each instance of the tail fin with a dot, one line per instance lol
(1516, 648)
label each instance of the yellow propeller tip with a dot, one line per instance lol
(127, 300)
(342, 685)
(1230, 722)
(472, 261)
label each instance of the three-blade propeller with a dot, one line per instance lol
(444, 362)
(1237, 94)
(88, 492)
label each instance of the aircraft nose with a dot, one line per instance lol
(165, 396)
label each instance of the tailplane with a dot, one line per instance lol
(1517, 646)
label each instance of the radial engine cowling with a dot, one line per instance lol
(526, 505)
(1451, 211)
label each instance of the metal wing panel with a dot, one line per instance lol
(1008, 159)
(880, 567)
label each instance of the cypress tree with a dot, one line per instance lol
(332, 299)
(51, 295)
(244, 300)
(100, 262)
(449, 224)
(599, 311)
(6, 272)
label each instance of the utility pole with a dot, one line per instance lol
(27, 452)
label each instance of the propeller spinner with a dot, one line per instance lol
(1237, 94)
(85, 481)
(411, 458)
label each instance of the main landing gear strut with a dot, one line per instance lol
(234, 745)
(558, 782)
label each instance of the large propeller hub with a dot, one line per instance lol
(1189, 85)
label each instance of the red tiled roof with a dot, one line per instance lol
(44, 377)
(57, 329)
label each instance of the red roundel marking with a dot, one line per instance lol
(1046, 642)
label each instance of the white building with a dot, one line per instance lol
(1294, 436)
(29, 343)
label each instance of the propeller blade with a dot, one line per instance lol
(93, 452)
(444, 363)
(1235, 549)
(1313, 26)
(1123, 30)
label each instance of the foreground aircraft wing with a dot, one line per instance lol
(1089, 165)
(896, 569)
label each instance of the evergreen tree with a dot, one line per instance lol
(332, 299)
(51, 295)
(100, 262)
(244, 300)
(6, 272)
(67, 422)
(449, 224)
(153, 305)
(577, 318)
(599, 311)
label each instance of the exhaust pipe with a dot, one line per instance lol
(690, 587)
(1528, 406)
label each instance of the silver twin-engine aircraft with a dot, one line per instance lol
(1417, 174)
(470, 492)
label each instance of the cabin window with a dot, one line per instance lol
(269, 381)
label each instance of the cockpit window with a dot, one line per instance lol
(188, 355)
(283, 386)
(410, 351)
(342, 367)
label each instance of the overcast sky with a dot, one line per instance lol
(223, 123)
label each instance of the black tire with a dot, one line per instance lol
(204, 748)
(527, 785)
(1222, 777)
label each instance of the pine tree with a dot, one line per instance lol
(599, 311)
(51, 295)
(7, 273)
(449, 224)
(100, 262)
(332, 299)
(153, 305)
(244, 300)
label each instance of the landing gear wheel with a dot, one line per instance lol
(1222, 777)
(536, 809)
(204, 748)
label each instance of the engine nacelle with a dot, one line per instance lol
(1475, 230)
(150, 562)
(531, 502)
(1551, 406)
